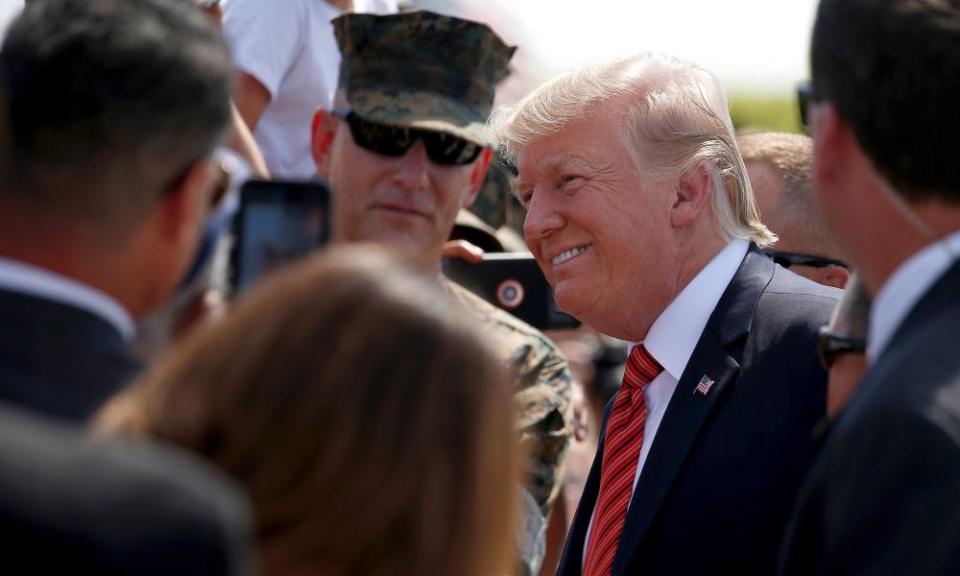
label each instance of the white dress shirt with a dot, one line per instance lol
(24, 278)
(905, 287)
(674, 335)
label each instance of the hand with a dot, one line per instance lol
(463, 250)
(203, 308)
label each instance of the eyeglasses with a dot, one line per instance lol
(788, 259)
(442, 148)
(806, 95)
(830, 345)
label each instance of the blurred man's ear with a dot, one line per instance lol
(836, 276)
(323, 131)
(478, 173)
(829, 136)
(185, 204)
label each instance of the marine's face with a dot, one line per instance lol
(406, 201)
(598, 227)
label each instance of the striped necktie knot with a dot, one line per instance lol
(641, 368)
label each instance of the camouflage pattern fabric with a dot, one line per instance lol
(490, 204)
(543, 393)
(421, 70)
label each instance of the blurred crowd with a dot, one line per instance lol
(762, 379)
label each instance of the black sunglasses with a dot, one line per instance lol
(806, 95)
(442, 148)
(788, 259)
(830, 345)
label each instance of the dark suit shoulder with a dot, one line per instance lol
(918, 373)
(890, 468)
(113, 507)
(59, 359)
(793, 304)
(788, 284)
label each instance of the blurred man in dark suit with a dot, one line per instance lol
(109, 113)
(884, 496)
(70, 505)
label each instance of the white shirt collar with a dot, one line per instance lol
(675, 333)
(905, 287)
(32, 280)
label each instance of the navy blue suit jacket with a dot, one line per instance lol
(720, 479)
(884, 495)
(71, 505)
(58, 359)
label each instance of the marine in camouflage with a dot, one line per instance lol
(544, 386)
(423, 70)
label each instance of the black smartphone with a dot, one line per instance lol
(277, 222)
(514, 282)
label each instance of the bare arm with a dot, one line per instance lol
(240, 140)
(251, 99)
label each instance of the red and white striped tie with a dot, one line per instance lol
(621, 454)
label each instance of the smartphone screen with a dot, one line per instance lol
(513, 282)
(277, 222)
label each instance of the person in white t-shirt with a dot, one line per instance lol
(287, 59)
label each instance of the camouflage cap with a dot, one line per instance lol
(421, 70)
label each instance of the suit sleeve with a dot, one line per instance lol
(893, 501)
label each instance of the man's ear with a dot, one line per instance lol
(693, 196)
(830, 136)
(185, 204)
(478, 174)
(836, 276)
(323, 130)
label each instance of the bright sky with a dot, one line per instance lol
(8, 8)
(758, 46)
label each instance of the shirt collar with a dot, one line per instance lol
(905, 287)
(32, 280)
(675, 333)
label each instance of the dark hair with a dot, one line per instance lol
(892, 69)
(368, 422)
(105, 103)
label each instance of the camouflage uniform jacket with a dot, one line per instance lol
(543, 394)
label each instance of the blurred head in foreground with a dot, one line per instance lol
(370, 426)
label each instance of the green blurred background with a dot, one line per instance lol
(753, 114)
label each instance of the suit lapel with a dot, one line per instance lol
(689, 408)
(938, 298)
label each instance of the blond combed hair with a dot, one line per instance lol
(675, 118)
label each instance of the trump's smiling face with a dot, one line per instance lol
(599, 228)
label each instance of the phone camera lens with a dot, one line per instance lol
(510, 294)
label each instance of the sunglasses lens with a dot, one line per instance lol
(387, 140)
(450, 150)
(785, 262)
(380, 138)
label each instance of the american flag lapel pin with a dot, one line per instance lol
(704, 386)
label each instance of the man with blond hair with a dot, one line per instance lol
(640, 213)
(780, 167)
